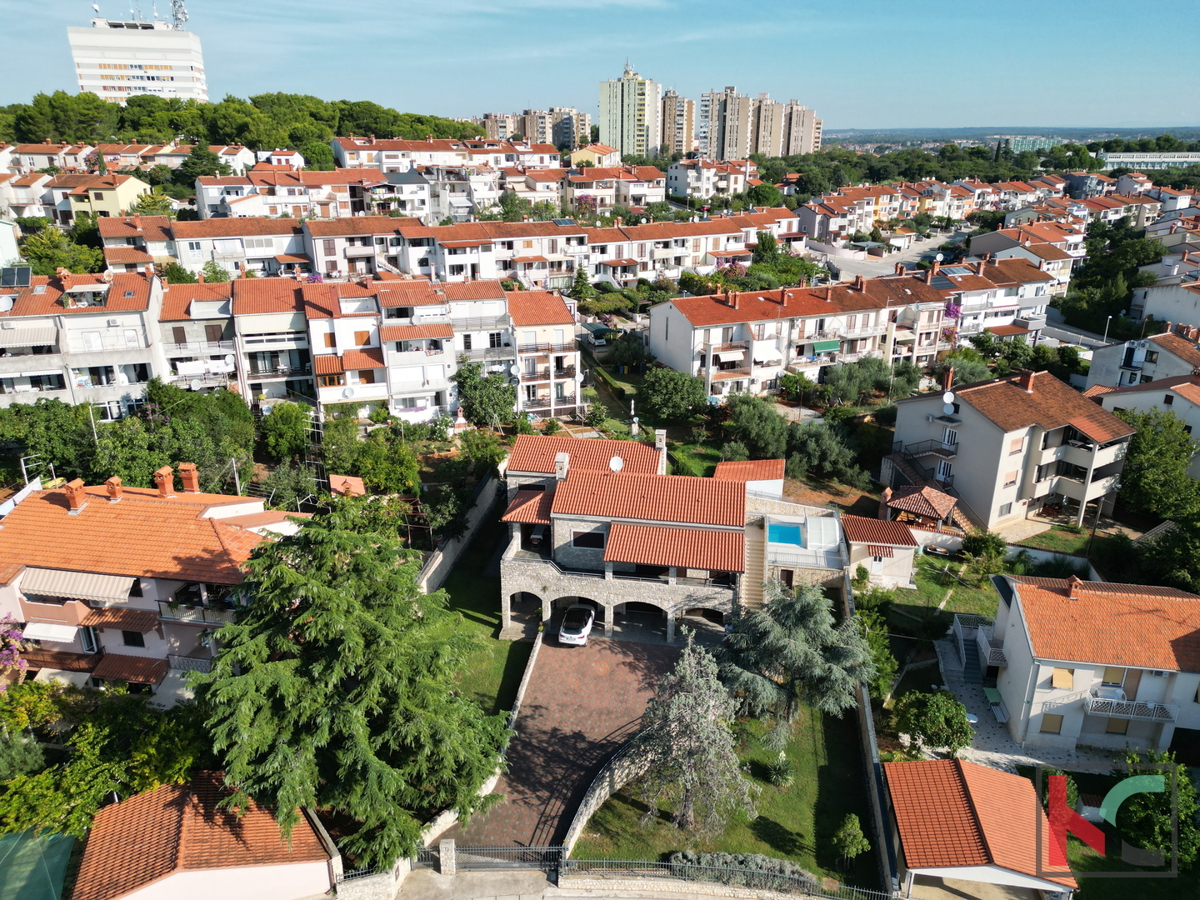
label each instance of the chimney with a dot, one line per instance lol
(1025, 380)
(860, 283)
(900, 270)
(76, 498)
(929, 273)
(883, 503)
(562, 462)
(165, 479)
(190, 478)
(660, 439)
(1074, 587)
(114, 489)
(200, 278)
(733, 299)
(948, 379)
(62, 273)
(137, 222)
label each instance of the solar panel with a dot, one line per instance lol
(15, 276)
(564, 222)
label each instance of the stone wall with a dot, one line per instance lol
(617, 772)
(441, 561)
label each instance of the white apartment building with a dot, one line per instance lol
(275, 191)
(400, 155)
(631, 114)
(1167, 302)
(116, 60)
(1138, 362)
(272, 351)
(678, 122)
(703, 179)
(1179, 396)
(1007, 297)
(733, 125)
(1007, 447)
(629, 186)
(548, 360)
(259, 245)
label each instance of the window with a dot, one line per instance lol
(1005, 509)
(194, 248)
(592, 540)
(1117, 726)
(787, 576)
(88, 639)
(135, 589)
(1063, 679)
(179, 334)
(1168, 400)
(1051, 724)
(1113, 676)
(1016, 445)
(133, 638)
(366, 376)
(362, 338)
(1010, 479)
(329, 247)
(1151, 356)
(212, 333)
(98, 195)
(330, 339)
(495, 339)
(466, 342)
(336, 380)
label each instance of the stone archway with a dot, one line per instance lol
(520, 614)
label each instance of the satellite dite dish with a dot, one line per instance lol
(196, 384)
(616, 464)
(514, 371)
(229, 359)
(948, 409)
(940, 257)
(948, 397)
(514, 381)
(348, 392)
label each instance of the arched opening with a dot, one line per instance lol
(525, 612)
(706, 623)
(561, 604)
(639, 622)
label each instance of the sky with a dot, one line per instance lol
(864, 64)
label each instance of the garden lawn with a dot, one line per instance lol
(616, 413)
(492, 674)
(936, 577)
(1062, 540)
(795, 823)
(695, 459)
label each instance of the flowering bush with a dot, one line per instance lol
(11, 645)
(953, 311)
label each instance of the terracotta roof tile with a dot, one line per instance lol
(142, 621)
(530, 308)
(256, 296)
(243, 226)
(182, 827)
(327, 364)
(922, 500)
(415, 332)
(535, 454)
(651, 498)
(953, 814)
(119, 256)
(685, 548)
(152, 228)
(358, 225)
(177, 298)
(529, 507)
(134, 669)
(751, 470)
(1180, 346)
(1111, 624)
(347, 486)
(369, 358)
(861, 530)
(127, 292)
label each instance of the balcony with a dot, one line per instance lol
(358, 252)
(194, 614)
(726, 374)
(531, 375)
(801, 558)
(548, 348)
(191, 347)
(481, 323)
(278, 371)
(1117, 707)
(864, 331)
(483, 354)
(931, 448)
(991, 651)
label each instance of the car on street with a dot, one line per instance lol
(576, 625)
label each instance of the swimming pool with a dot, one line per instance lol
(778, 533)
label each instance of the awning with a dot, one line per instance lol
(524, 260)
(29, 337)
(136, 669)
(143, 621)
(730, 355)
(826, 346)
(287, 258)
(75, 585)
(50, 631)
(768, 356)
(618, 263)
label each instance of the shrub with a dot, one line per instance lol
(861, 577)
(595, 417)
(782, 772)
(756, 870)
(885, 415)
(984, 543)
(551, 427)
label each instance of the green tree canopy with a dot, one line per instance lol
(486, 401)
(1151, 818)
(49, 250)
(336, 689)
(754, 423)
(935, 720)
(285, 429)
(214, 272)
(1155, 477)
(670, 396)
(152, 203)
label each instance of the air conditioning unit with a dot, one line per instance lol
(113, 323)
(928, 417)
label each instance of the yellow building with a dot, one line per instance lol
(99, 195)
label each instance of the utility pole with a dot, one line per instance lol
(237, 482)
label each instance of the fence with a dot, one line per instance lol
(753, 879)
(624, 766)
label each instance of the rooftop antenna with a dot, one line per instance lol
(135, 13)
(179, 16)
(96, 7)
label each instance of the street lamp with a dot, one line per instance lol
(1106, 324)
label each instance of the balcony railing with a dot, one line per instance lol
(481, 323)
(726, 374)
(931, 448)
(200, 347)
(278, 371)
(195, 614)
(804, 559)
(991, 651)
(548, 348)
(1141, 710)
(190, 663)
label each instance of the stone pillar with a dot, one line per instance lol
(672, 574)
(670, 626)
(545, 610)
(447, 863)
(608, 571)
(608, 619)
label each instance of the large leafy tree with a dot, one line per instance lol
(336, 689)
(50, 249)
(1155, 477)
(486, 401)
(937, 719)
(154, 203)
(687, 737)
(754, 423)
(1150, 818)
(792, 653)
(285, 429)
(667, 395)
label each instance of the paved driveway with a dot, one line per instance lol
(581, 705)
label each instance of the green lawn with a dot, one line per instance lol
(935, 577)
(493, 674)
(795, 823)
(696, 459)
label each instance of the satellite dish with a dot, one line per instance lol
(948, 409)
(947, 397)
(514, 381)
(6, 303)
(266, 410)
(616, 464)
(196, 384)
(229, 359)
(940, 257)
(348, 392)
(514, 370)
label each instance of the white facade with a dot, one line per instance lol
(631, 114)
(116, 60)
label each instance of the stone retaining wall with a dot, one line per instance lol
(616, 773)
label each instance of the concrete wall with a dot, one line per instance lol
(438, 566)
(290, 881)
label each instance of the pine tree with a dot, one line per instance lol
(687, 735)
(336, 689)
(791, 654)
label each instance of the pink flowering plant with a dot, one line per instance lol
(11, 645)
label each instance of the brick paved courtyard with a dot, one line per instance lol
(581, 705)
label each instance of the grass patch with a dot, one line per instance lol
(1063, 540)
(795, 823)
(493, 673)
(616, 413)
(695, 459)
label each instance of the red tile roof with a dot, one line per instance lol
(922, 500)
(651, 498)
(535, 454)
(175, 828)
(134, 669)
(861, 530)
(1180, 346)
(1111, 624)
(127, 292)
(327, 364)
(153, 228)
(256, 296)
(245, 226)
(415, 332)
(529, 507)
(369, 358)
(1007, 330)
(751, 470)
(120, 256)
(530, 308)
(358, 225)
(177, 298)
(142, 621)
(347, 486)
(157, 538)
(684, 548)
(953, 814)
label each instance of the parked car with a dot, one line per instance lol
(577, 625)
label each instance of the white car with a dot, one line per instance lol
(577, 625)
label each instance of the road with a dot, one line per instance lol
(1069, 334)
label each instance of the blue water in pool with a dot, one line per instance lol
(784, 534)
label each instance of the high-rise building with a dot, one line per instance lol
(571, 128)
(116, 60)
(498, 126)
(678, 122)
(727, 124)
(803, 131)
(733, 125)
(631, 114)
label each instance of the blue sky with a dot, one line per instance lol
(864, 64)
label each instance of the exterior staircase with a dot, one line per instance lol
(957, 516)
(756, 566)
(971, 672)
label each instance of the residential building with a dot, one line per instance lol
(959, 825)
(458, 193)
(181, 841)
(81, 339)
(1007, 297)
(27, 195)
(600, 155)
(631, 114)
(281, 191)
(400, 155)
(272, 353)
(344, 333)
(733, 125)
(1143, 161)
(534, 185)
(548, 359)
(1067, 238)
(132, 243)
(1090, 663)
(763, 477)
(117, 60)
(1009, 447)
(703, 179)
(238, 245)
(600, 521)
(198, 335)
(570, 128)
(678, 122)
(498, 126)
(143, 614)
(802, 131)
(1160, 356)
(1179, 302)
(886, 549)
(727, 124)
(629, 186)
(743, 342)
(100, 196)
(1179, 396)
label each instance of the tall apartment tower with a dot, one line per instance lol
(678, 122)
(631, 114)
(116, 60)
(571, 127)
(726, 124)
(803, 131)
(733, 125)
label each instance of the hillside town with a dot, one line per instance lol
(672, 498)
